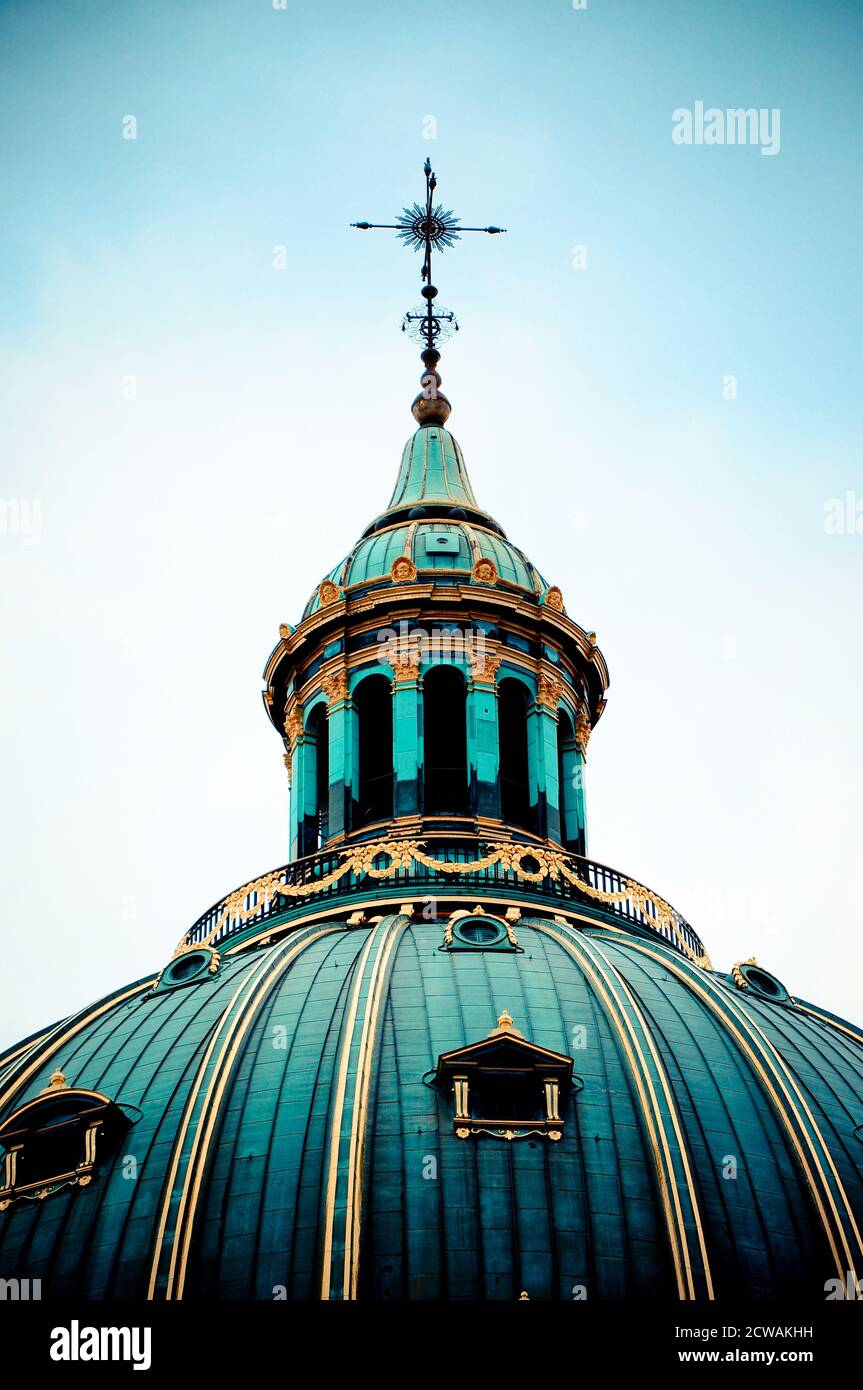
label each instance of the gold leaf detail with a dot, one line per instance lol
(403, 570)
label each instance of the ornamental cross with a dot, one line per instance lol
(428, 228)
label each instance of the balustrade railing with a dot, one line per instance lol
(521, 869)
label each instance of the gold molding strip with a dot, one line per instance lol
(14, 1052)
(775, 1076)
(59, 1038)
(380, 945)
(359, 1117)
(847, 1028)
(617, 999)
(234, 1026)
(338, 1112)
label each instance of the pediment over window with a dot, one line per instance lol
(55, 1139)
(506, 1086)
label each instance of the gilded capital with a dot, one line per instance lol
(548, 691)
(484, 667)
(293, 727)
(406, 667)
(335, 687)
(582, 730)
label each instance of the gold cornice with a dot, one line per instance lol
(385, 593)
(435, 602)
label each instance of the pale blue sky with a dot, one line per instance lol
(141, 779)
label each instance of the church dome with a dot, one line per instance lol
(440, 1053)
(378, 1105)
(434, 522)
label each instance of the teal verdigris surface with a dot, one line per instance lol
(291, 1142)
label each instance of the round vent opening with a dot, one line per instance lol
(480, 932)
(186, 968)
(763, 983)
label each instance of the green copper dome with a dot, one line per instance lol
(440, 1053)
(296, 1130)
(434, 521)
(432, 470)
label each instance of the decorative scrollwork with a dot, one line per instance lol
(737, 974)
(532, 863)
(501, 1132)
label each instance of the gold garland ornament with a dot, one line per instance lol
(402, 854)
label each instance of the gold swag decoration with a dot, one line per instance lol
(402, 854)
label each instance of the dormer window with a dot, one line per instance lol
(54, 1141)
(505, 1086)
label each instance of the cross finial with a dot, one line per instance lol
(429, 227)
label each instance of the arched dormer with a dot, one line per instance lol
(56, 1140)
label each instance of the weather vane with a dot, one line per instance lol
(428, 228)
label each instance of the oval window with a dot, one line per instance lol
(761, 982)
(186, 968)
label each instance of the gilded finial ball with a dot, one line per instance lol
(431, 410)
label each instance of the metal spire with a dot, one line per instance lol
(428, 228)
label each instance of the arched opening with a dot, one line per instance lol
(374, 707)
(514, 776)
(569, 775)
(318, 753)
(445, 742)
